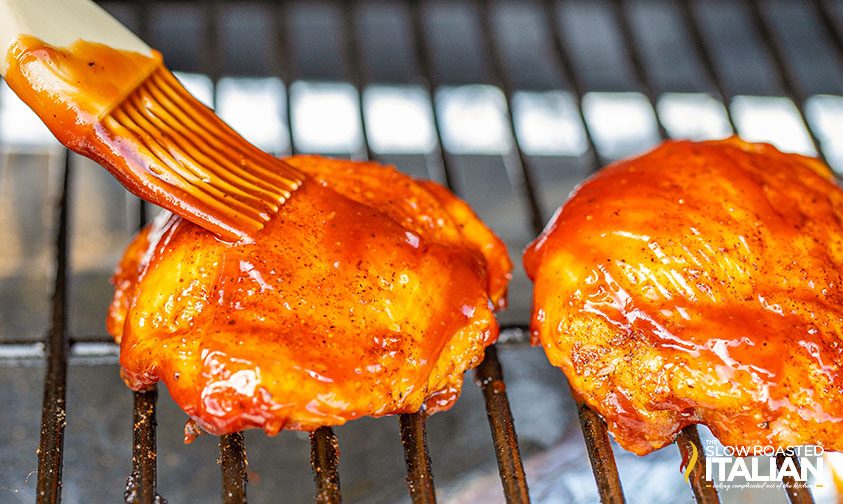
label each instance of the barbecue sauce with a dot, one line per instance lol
(351, 302)
(130, 114)
(72, 89)
(720, 260)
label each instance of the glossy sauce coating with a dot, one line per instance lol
(368, 294)
(72, 89)
(699, 283)
(128, 113)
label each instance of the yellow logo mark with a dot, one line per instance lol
(692, 461)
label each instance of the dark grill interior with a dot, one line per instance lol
(725, 49)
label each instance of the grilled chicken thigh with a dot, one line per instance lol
(369, 293)
(700, 283)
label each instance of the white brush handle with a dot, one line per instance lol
(61, 23)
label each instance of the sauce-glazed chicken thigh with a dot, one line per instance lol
(700, 283)
(369, 293)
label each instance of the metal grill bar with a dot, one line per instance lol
(141, 486)
(81, 347)
(426, 78)
(570, 77)
(417, 457)
(53, 412)
(594, 430)
(324, 458)
(233, 465)
(633, 55)
(712, 74)
(796, 492)
(689, 439)
(412, 426)
(829, 26)
(490, 376)
(282, 65)
(517, 164)
(601, 455)
(786, 74)
(28, 350)
(355, 69)
(689, 436)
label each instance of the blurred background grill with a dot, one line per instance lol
(512, 103)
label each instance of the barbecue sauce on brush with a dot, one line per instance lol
(699, 283)
(73, 89)
(130, 114)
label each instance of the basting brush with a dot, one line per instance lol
(106, 95)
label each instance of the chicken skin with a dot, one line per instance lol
(370, 293)
(699, 284)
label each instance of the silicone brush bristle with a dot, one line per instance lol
(126, 111)
(183, 157)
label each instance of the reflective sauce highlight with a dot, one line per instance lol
(348, 303)
(72, 89)
(699, 283)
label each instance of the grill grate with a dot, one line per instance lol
(58, 344)
(324, 457)
(53, 415)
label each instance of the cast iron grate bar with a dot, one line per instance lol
(517, 165)
(490, 376)
(692, 28)
(141, 485)
(633, 55)
(830, 27)
(689, 441)
(497, 405)
(355, 71)
(53, 412)
(689, 435)
(797, 492)
(81, 346)
(601, 456)
(417, 457)
(282, 66)
(324, 458)
(426, 79)
(787, 75)
(233, 465)
(570, 77)
(593, 427)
